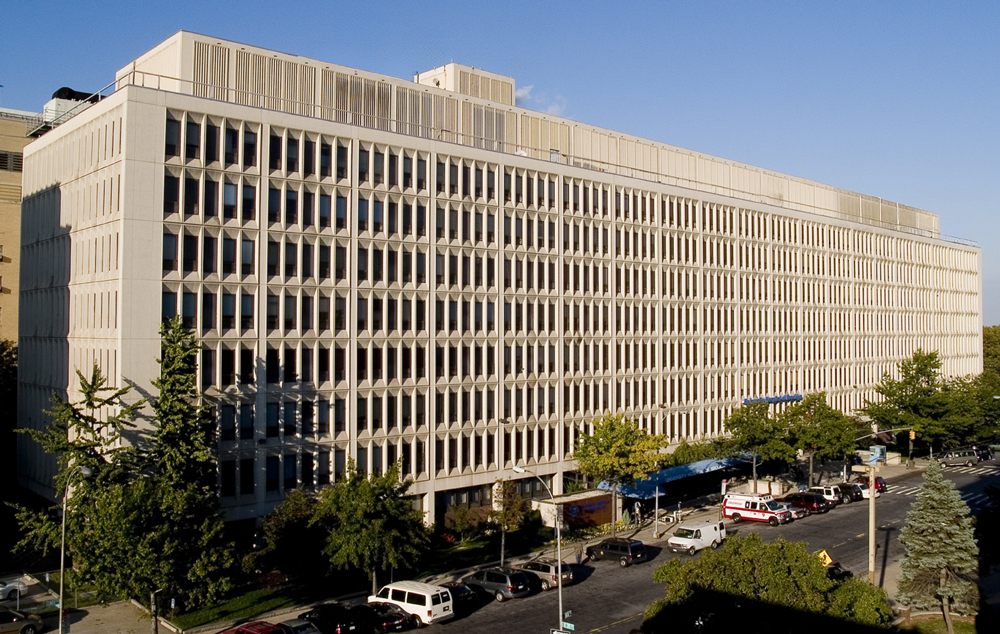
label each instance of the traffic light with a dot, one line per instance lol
(913, 435)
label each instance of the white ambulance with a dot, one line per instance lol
(690, 538)
(755, 507)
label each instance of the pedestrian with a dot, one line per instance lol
(638, 513)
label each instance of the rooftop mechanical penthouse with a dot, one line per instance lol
(423, 273)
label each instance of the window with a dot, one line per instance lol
(249, 148)
(341, 162)
(228, 199)
(211, 143)
(247, 256)
(171, 194)
(362, 166)
(173, 138)
(249, 202)
(246, 311)
(192, 148)
(341, 212)
(325, 160)
(169, 252)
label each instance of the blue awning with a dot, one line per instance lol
(647, 489)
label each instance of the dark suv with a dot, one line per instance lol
(625, 551)
(502, 583)
(983, 452)
(812, 502)
(850, 492)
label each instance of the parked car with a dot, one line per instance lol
(812, 502)
(831, 494)
(984, 453)
(464, 599)
(797, 513)
(755, 507)
(299, 626)
(867, 493)
(880, 484)
(14, 622)
(502, 583)
(957, 457)
(690, 538)
(12, 589)
(256, 627)
(850, 492)
(836, 572)
(388, 617)
(339, 618)
(545, 572)
(627, 552)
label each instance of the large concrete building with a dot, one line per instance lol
(421, 272)
(13, 137)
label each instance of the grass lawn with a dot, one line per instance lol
(246, 605)
(938, 627)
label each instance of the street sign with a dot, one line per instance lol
(825, 557)
(569, 626)
(568, 614)
(553, 630)
(859, 468)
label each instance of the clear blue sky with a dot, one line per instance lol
(892, 99)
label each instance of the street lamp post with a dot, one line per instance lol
(559, 558)
(85, 472)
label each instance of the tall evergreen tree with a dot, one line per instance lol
(939, 568)
(146, 522)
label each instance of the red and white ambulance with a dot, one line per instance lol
(755, 507)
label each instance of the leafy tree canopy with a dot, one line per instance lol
(618, 451)
(715, 591)
(374, 524)
(991, 348)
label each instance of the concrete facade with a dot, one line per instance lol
(13, 138)
(383, 271)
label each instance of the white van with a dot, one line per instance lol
(691, 538)
(429, 603)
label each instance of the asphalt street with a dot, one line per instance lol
(610, 600)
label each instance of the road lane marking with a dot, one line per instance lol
(610, 625)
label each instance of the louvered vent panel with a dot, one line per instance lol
(383, 106)
(489, 128)
(307, 90)
(510, 131)
(451, 122)
(463, 82)
(543, 136)
(478, 132)
(289, 87)
(439, 122)
(328, 96)
(474, 85)
(402, 111)
(272, 92)
(466, 127)
(343, 109)
(426, 115)
(506, 93)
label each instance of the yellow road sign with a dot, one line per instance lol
(825, 557)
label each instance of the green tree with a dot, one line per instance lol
(819, 430)
(939, 568)
(754, 431)
(375, 526)
(508, 511)
(991, 348)
(686, 453)
(619, 452)
(463, 519)
(146, 523)
(718, 589)
(913, 400)
(292, 539)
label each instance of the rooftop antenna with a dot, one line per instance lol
(1, 88)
